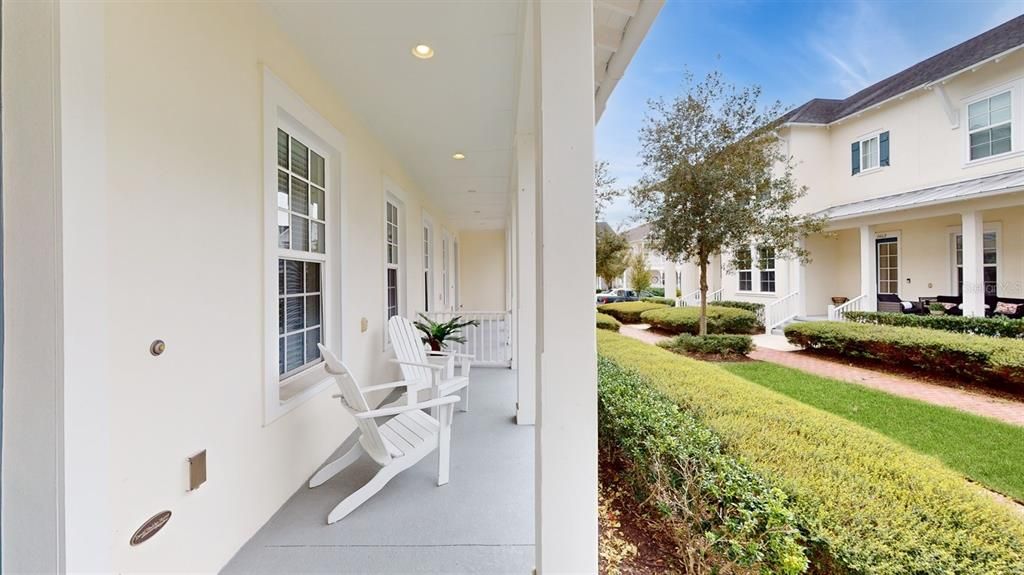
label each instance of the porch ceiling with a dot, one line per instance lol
(461, 100)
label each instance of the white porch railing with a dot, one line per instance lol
(780, 311)
(838, 312)
(693, 298)
(489, 343)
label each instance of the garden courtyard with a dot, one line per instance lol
(863, 446)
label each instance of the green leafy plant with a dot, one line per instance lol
(628, 311)
(868, 505)
(439, 334)
(749, 306)
(660, 299)
(937, 308)
(687, 320)
(605, 321)
(991, 326)
(723, 345)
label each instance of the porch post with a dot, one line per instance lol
(526, 278)
(670, 279)
(868, 285)
(566, 490)
(974, 276)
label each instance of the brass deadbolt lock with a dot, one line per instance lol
(157, 347)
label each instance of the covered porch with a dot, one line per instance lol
(962, 243)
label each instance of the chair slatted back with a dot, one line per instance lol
(408, 346)
(355, 402)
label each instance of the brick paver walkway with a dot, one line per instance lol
(976, 403)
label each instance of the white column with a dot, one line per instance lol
(670, 279)
(566, 491)
(868, 285)
(974, 273)
(526, 279)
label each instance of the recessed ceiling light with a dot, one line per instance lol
(476, 211)
(458, 156)
(423, 52)
(471, 191)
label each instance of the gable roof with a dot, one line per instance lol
(984, 46)
(638, 233)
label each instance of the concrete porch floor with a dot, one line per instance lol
(481, 522)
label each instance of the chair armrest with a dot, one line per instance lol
(418, 364)
(451, 353)
(390, 411)
(391, 385)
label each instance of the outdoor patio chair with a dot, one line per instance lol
(408, 435)
(418, 369)
(892, 303)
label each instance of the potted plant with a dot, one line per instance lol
(438, 335)
(937, 308)
(839, 300)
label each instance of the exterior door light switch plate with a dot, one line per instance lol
(196, 470)
(363, 325)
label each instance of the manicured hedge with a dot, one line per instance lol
(605, 321)
(749, 306)
(677, 464)
(657, 292)
(992, 326)
(687, 320)
(994, 361)
(867, 504)
(724, 345)
(628, 311)
(661, 300)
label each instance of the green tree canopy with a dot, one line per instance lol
(612, 255)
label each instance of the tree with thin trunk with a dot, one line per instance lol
(612, 256)
(605, 191)
(639, 273)
(715, 179)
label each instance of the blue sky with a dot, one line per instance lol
(795, 50)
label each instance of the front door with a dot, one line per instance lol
(887, 262)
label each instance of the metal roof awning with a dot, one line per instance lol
(1003, 183)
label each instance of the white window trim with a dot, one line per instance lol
(1016, 89)
(774, 269)
(875, 134)
(446, 270)
(282, 107)
(953, 231)
(899, 257)
(755, 275)
(431, 252)
(394, 195)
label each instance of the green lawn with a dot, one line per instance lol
(985, 450)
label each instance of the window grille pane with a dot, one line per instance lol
(280, 277)
(317, 237)
(280, 316)
(978, 113)
(282, 190)
(280, 356)
(294, 352)
(300, 233)
(392, 292)
(283, 229)
(1000, 116)
(292, 276)
(300, 196)
(294, 314)
(317, 210)
(312, 311)
(312, 277)
(282, 149)
(316, 168)
(300, 159)
(999, 102)
(312, 338)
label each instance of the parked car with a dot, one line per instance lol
(620, 294)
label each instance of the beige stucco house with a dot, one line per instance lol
(195, 194)
(921, 176)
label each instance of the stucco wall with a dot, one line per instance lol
(483, 270)
(184, 155)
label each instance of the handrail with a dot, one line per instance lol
(838, 312)
(780, 311)
(693, 298)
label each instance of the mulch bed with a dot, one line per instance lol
(915, 374)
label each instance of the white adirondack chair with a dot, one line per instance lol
(418, 369)
(408, 435)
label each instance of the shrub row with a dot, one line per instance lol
(605, 321)
(687, 320)
(677, 464)
(997, 362)
(867, 504)
(716, 344)
(657, 292)
(992, 326)
(749, 306)
(662, 300)
(628, 311)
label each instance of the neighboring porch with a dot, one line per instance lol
(969, 251)
(481, 522)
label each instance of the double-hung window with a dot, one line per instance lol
(445, 292)
(989, 261)
(428, 284)
(870, 152)
(302, 253)
(766, 267)
(745, 268)
(393, 267)
(990, 126)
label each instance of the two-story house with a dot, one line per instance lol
(675, 277)
(921, 176)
